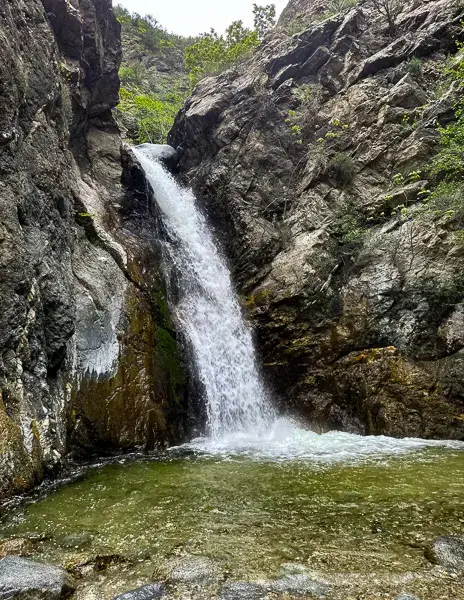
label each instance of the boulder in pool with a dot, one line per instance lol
(28, 580)
(146, 592)
(447, 551)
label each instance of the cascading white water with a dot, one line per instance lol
(240, 417)
(208, 311)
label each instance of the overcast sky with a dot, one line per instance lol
(190, 17)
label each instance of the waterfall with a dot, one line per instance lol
(240, 416)
(208, 310)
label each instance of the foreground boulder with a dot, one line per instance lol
(447, 551)
(21, 578)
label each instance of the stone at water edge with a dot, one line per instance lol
(16, 546)
(242, 590)
(146, 592)
(447, 551)
(406, 597)
(29, 580)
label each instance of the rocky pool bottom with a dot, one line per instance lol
(359, 527)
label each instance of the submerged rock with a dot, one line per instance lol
(195, 569)
(447, 551)
(242, 590)
(21, 578)
(146, 592)
(76, 540)
(300, 585)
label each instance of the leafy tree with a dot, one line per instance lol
(214, 53)
(264, 18)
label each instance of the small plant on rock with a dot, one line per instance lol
(415, 66)
(341, 168)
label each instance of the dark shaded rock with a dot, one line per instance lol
(21, 578)
(447, 551)
(242, 590)
(146, 592)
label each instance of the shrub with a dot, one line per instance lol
(264, 18)
(449, 161)
(214, 53)
(341, 168)
(415, 66)
(334, 7)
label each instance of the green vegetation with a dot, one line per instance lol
(150, 98)
(214, 53)
(159, 67)
(334, 7)
(154, 115)
(341, 168)
(449, 162)
(415, 66)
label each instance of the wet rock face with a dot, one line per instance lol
(88, 358)
(310, 160)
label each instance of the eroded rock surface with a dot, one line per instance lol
(310, 160)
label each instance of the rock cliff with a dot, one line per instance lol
(88, 358)
(311, 160)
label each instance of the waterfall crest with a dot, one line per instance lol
(208, 311)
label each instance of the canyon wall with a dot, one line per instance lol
(88, 356)
(312, 160)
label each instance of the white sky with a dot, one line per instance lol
(191, 17)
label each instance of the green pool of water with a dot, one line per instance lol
(254, 515)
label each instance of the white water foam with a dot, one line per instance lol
(208, 311)
(286, 440)
(241, 420)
